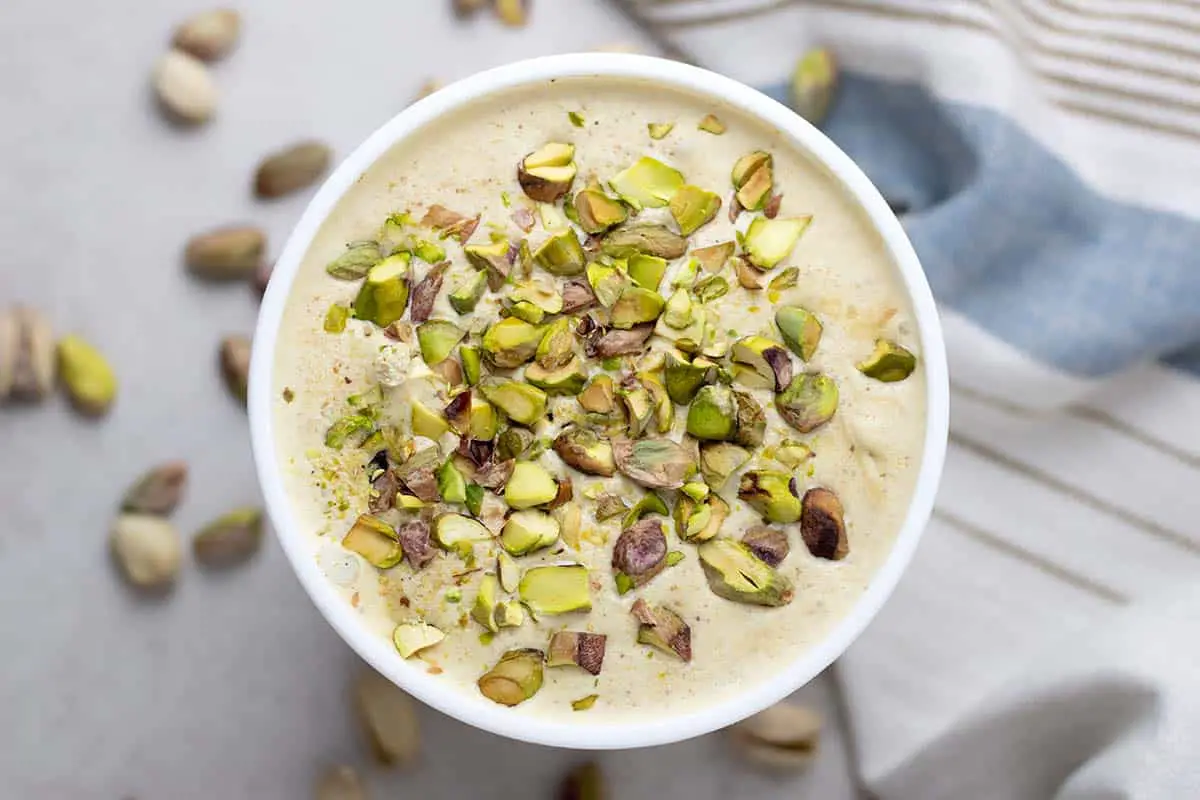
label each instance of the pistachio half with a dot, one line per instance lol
(146, 547)
(586, 451)
(736, 574)
(823, 526)
(556, 589)
(647, 183)
(767, 358)
(640, 551)
(800, 329)
(808, 402)
(889, 363)
(547, 173)
(375, 540)
(719, 460)
(662, 628)
(620, 342)
(483, 610)
(769, 241)
(158, 491)
(577, 648)
(654, 463)
(458, 533)
(769, 545)
(389, 718)
(772, 494)
(683, 378)
(569, 379)
(515, 678)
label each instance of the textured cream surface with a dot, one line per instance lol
(869, 454)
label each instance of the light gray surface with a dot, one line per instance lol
(233, 686)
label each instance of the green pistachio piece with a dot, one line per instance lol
(714, 287)
(693, 208)
(719, 460)
(772, 494)
(646, 238)
(769, 241)
(474, 499)
(714, 257)
(662, 628)
(484, 609)
(597, 212)
(374, 540)
(568, 379)
(664, 409)
(561, 254)
(751, 421)
(356, 426)
(747, 165)
(469, 356)
(650, 503)
(427, 422)
(635, 306)
(607, 283)
(800, 329)
(823, 526)
(541, 293)
(677, 313)
(516, 677)
(354, 264)
(639, 407)
(336, 318)
(654, 463)
(586, 451)
(547, 173)
(484, 422)
(437, 339)
(696, 490)
(734, 573)
(711, 123)
(456, 532)
(792, 453)
(530, 485)
(889, 363)
(508, 572)
(754, 193)
(513, 443)
(429, 252)
(660, 130)
(647, 271)
(786, 279)
(608, 506)
(557, 346)
(526, 531)
(598, 395)
(814, 84)
(494, 260)
(556, 589)
(712, 415)
(509, 614)
(86, 374)
(697, 521)
(575, 648)
(522, 403)
(767, 358)
(583, 704)
(467, 293)
(684, 378)
(510, 342)
(648, 183)
(412, 637)
(527, 312)
(383, 297)
(808, 402)
(452, 486)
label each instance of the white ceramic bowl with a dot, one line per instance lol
(471, 707)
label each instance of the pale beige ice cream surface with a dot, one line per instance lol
(869, 454)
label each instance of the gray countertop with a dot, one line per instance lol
(232, 686)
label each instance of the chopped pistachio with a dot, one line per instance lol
(719, 460)
(568, 379)
(769, 545)
(772, 494)
(336, 318)
(786, 279)
(809, 401)
(576, 648)
(736, 574)
(521, 402)
(712, 124)
(450, 223)
(509, 614)
(648, 183)
(640, 551)
(556, 589)
(583, 704)
(383, 297)
(374, 540)
(647, 271)
(769, 241)
(800, 329)
(483, 421)
(494, 260)
(561, 254)
(452, 486)
(792, 453)
(547, 173)
(607, 283)
(714, 287)
(650, 503)
(570, 520)
(712, 414)
(677, 313)
(510, 342)
(783, 737)
(576, 119)
(557, 346)
(540, 292)
(530, 485)
(654, 463)
(426, 422)
(514, 679)
(660, 130)
(755, 193)
(700, 521)
(814, 84)
(458, 532)
(577, 296)
(823, 526)
(696, 490)
(474, 499)
(693, 208)
(889, 363)
(513, 443)
(751, 421)
(684, 378)
(646, 238)
(664, 409)
(609, 506)
(749, 164)
(412, 637)
(597, 212)
(527, 312)
(355, 426)
(598, 396)
(354, 264)
(635, 306)
(662, 628)
(714, 257)
(584, 450)
(748, 276)
(528, 530)
(767, 358)
(467, 293)
(437, 339)
(638, 405)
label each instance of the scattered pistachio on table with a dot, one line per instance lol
(86, 375)
(389, 719)
(209, 35)
(230, 539)
(814, 85)
(785, 736)
(226, 254)
(147, 549)
(184, 87)
(291, 169)
(158, 491)
(235, 364)
(27, 359)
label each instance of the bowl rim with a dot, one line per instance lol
(444, 695)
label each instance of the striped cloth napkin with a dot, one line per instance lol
(1048, 151)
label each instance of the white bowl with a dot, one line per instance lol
(473, 708)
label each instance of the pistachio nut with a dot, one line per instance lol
(598, 396)
(800, 329)
(712, 415)
(597, 211)
(452, 485)
(529, 485)
(814, 84)
(767, 358)
(513, 443)
(748, 276)
(455, 532)
(208, 35)
(467, 293)
(468, 356)
(291, 169)
(510, 342)
(556, 589)
(693, 208)
(809, 401)
(772, 494)
(714, 257)
(351, 265)
(27, 362)
(889, 363)
(660, 130)
(638, 405)
(494, 259)
(650, 503)
(823, 526)
(711, 123)
(437, 339)
(577, 648)
(606, 282)
(736, 574)
(678, 311)
(683, 378)
(620, 343)
(232, 253)
(147, 549)
(662, 628)
(785, 736)
(483, 610)
(648, 183)
(787, 278)
(570, 523)
(664, 409)
(769, 545)
(769, 241)
(389, 719)
(157, 491)
(355, 427)
(647, 271)
(547, 173)
(719, 460)
(577, 296)
(86, 375)
(609, 506)
(383, 297)
(527, 531)
(415, 539)
(654, 463)
(411, 638)
(540, 292)
(424, 294)
(714, 287)
(640, 551)
(569, 379)
(645, 238)
(451, 224)
(699, 521)
(792, 453)
(515, 678)
(521, 403)
(185, 87)
(230, 539)
(586, 451)
(340, 783)
(634, 307)
(235, 365)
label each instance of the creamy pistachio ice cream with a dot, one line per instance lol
(598, 400)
